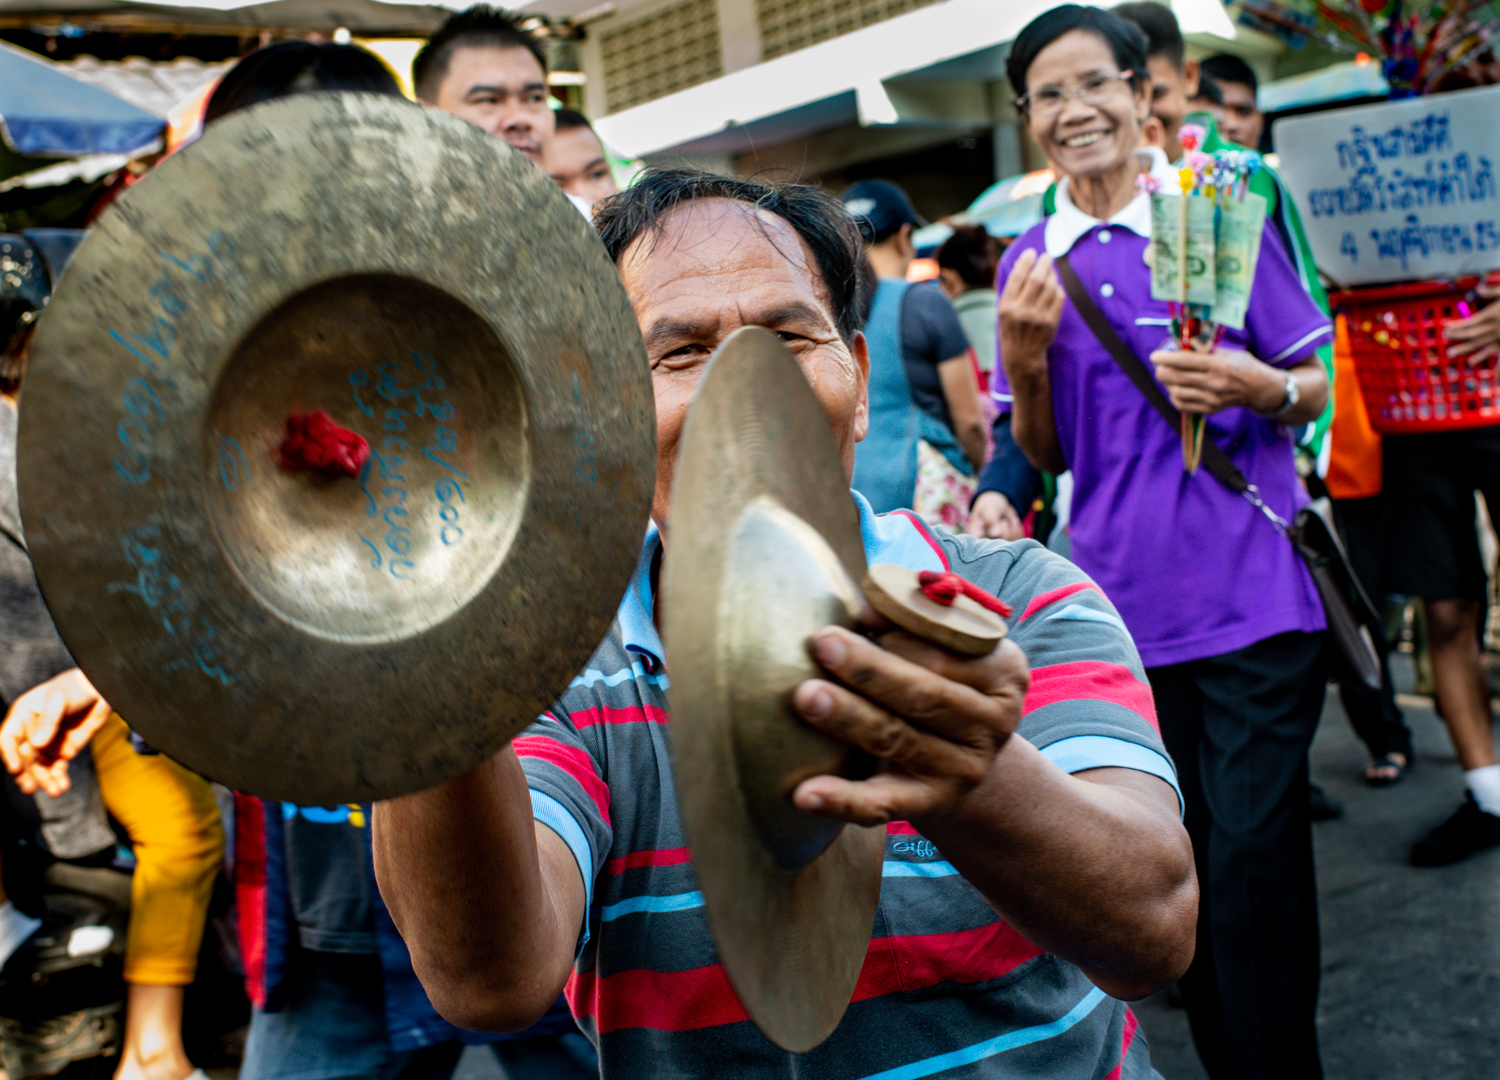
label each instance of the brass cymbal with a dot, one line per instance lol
(315, 639)
(764, 549)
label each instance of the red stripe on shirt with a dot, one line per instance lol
(703, 997)
(635, 714)
(921, 527)
(661, 1000)
(1092, 680)
(1131, 1023)
(1041, 600)
(571, 760)
(901, 828)
(918, 961)
(637, 859)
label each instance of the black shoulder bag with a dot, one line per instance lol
(1352, 621)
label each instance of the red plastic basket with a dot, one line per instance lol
(1408, 383)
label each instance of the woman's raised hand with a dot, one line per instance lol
(1030, 307)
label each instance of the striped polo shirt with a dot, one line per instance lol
(947, 988)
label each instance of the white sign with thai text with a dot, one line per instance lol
(1399, 191)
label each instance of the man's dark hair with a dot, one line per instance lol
(298, 67)
(1225, 68)
(1163, 35)
(571, 120)
(480, 26)
(1124, 39)
(818, 218)
(972, 254)
(1209, 91)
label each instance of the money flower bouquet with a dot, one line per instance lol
(1205, 243)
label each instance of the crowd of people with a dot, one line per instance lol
(1119, 794)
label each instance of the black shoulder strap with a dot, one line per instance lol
(1214, 459)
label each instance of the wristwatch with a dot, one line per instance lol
(1293, 395)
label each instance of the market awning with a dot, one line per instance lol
(46, 113)
(1339, 82)
(871, 75)
(360, 17)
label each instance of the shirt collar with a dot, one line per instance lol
(887, 538)
(1069, 224)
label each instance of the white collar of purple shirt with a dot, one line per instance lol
(1068, 223)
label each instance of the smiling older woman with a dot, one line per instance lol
(1225, 616)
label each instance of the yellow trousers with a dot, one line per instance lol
(173, 823)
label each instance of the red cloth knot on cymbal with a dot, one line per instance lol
(314, 442)
(945, 588)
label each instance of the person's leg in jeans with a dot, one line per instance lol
(548, 1057)
(332, 1027)
(1258, 923)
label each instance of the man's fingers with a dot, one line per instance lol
(945, 693)
(882, 799)
(859, 722)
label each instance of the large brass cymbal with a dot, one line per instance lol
(335, 640)
(765, 549)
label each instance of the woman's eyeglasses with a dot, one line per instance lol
(1095, 90)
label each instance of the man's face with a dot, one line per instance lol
(718, 265)
(503, 91)
(577, 164)
(1171, 88)
(1243, 120)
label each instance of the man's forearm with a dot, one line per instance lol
(1009, 471)
(1100, 874)
(971, 438)
(484, 912)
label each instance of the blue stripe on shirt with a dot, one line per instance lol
(998, 1045)
(636, 904)
(894, 868)
(1106, 752)
(1079, 613)
(551, 813)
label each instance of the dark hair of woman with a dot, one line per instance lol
(1125, 39)
(816, 216)
(298, 67)
(972, 254)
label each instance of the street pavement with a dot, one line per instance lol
(1411, 957)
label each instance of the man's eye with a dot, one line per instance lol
(789, 337)
(1159, 91)
(1097, 83)
(599, 174)
(1047, 95)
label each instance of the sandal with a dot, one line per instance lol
(1385, 770)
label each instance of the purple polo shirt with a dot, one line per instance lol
(1195, 570)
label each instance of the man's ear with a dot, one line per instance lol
(859, 348)
(1190, 73)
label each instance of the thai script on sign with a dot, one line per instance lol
(1400, 190)
(1418, 138)
(1440, 183)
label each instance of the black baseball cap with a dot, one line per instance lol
(880, 208)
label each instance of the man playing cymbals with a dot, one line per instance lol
(1035, 866)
